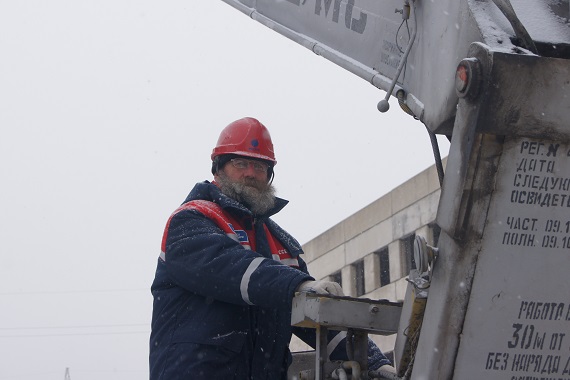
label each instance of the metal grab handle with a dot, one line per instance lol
(383, 105)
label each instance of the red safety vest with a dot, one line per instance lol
(233, 229)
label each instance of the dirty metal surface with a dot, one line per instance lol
(342, 313)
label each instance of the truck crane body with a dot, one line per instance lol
(492, 299)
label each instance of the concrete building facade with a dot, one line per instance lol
(371, 252)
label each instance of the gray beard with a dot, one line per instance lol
(257, 200)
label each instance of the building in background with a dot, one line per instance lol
(371, 252)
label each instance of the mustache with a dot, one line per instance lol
(252, 182)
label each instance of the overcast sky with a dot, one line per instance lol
(109, 111)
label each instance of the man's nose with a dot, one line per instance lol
(250, 170)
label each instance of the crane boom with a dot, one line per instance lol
(369, 38)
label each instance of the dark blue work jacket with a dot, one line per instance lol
(221, 310)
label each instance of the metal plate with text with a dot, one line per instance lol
(518, 319)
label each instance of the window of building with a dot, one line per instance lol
(359, 277)
(384, 259)
(408, 251)
(337, 277)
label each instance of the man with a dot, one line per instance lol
(227, 273)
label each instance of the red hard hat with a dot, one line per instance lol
(245, 137)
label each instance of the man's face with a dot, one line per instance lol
(246, 181)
